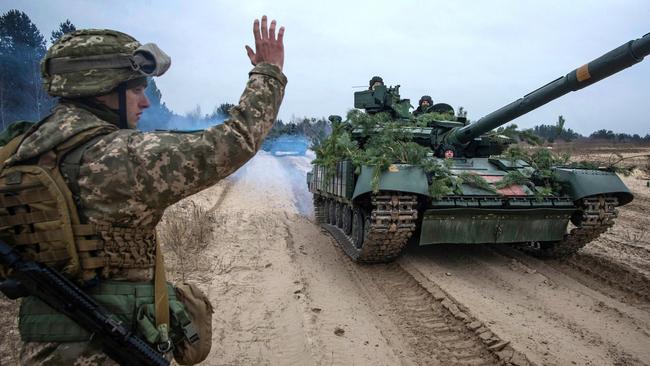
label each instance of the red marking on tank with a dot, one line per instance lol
(513, 190)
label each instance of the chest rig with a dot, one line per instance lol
(39, 216)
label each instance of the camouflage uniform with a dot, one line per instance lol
(127, 178)
(419, 110)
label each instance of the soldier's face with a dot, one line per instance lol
(136, 103)
(425, 103)
(376, 84)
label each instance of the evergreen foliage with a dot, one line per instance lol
(611, 136)
(222, 112)
(542, 161)
(157, 116)
(552, 133)
(385, 143)
(64, 28)
(427, 119)
(22, 47)
(511, 178)
(475, 180)
(512, 131)
(314, 129)
(443, 182)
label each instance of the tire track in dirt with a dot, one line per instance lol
(436, 336)
(638, 250)
(550, 317)
(617, 275)
(342, 327)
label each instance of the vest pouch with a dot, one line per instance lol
(190, 343)
(38, 322)
(200, 311)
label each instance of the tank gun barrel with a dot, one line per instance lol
(608, 64)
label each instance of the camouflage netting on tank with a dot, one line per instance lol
(386, 143)
(425, 119)
(513, 133)
(543, 160)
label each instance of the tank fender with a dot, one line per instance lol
(398, 177)
(582, 183)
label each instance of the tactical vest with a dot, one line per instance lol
(39, 218)
(38, 215)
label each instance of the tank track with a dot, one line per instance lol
(391, 221)
(598, 214)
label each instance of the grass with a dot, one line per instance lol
(186, 230)
(9, 338)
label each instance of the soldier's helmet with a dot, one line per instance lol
(92, 62)
(375, 79)
(427, 98)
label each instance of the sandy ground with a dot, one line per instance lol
(285, 294)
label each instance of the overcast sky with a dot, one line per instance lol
(477, 54)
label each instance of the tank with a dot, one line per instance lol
(551, 211)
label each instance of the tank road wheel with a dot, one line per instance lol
(367, 225)
(326, 210)
(378, 230)
(357, 228)
(340, 207)
(331, 210)
(387, 227)
(346, 215)
(320, 211)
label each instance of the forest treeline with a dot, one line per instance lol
(22, 97)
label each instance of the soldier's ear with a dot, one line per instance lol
(110, 100)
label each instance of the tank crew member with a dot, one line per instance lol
(122, 179)
(374, 82)
(445, 151)
(423, 105)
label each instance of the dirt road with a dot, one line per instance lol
(285, 294)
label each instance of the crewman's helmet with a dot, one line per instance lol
(427, 98)
(375, 79)
(93, 62)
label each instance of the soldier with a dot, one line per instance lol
(122, 179)
(445, 151)
(375, 82)
(423, 105)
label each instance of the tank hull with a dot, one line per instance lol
(512, 215)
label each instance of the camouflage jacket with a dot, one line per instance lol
(127, 178)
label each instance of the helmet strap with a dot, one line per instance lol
(121, 98)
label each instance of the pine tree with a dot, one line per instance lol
(65, 27)
(223, 111)
(22, 47)
(157, 116)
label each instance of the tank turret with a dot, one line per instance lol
(608, 64)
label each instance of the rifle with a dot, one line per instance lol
(118, 342)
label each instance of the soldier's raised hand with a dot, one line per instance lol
(268, 48)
